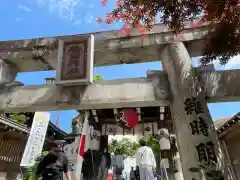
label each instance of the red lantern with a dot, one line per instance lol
(130, 116)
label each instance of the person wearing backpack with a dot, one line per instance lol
(145, 160)
(54, 164)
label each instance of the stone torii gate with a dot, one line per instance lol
(185, 89)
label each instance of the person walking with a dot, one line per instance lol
(118, 165)
(104, 165)
(132, 174)
(145, 159)
(52, 166)
(90, 166)
(137, 173)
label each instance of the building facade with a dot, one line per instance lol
(13, 138)
(229, 135)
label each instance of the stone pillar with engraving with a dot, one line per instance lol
(196, 135)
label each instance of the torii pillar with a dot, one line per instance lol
(196, 135)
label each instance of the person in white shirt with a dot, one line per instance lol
(145, 159)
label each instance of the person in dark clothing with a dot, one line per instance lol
(137, 173)
(132, 174)
(104, 165)
(52, 166)
(90, 166)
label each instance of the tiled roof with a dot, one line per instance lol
(13, 124)
(224, 123)
(219, 122)
(22, 127)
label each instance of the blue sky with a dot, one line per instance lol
(22, 19)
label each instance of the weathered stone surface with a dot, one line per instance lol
(110, 48)
(8, 72)
(184, 86)
(221, 86)
(136, 92)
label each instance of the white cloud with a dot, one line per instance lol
(70, 10)
(91, 6)
(18, 19)
(77, 22)
(24, 8)
(88, 18)
(64, 8)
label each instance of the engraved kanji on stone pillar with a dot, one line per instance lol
(196, 135)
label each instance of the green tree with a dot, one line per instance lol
(125, 145)
(153, 142)
(19, 117)
(129, 148)
(97, 77)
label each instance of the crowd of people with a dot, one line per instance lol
(145, 164)
(55, 163)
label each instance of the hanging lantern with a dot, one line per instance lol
(128, 118)
(164, 141)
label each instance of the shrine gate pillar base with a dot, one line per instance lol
(196, 136)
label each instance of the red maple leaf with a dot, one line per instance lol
(125, 31)
(104, 2)
(196, 24)
(116, 16)
(200, 21)
(99, 20)
(140, 28)
(137, 12)
(109, 18)
(119, 3)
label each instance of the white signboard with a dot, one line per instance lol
(36, 139)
